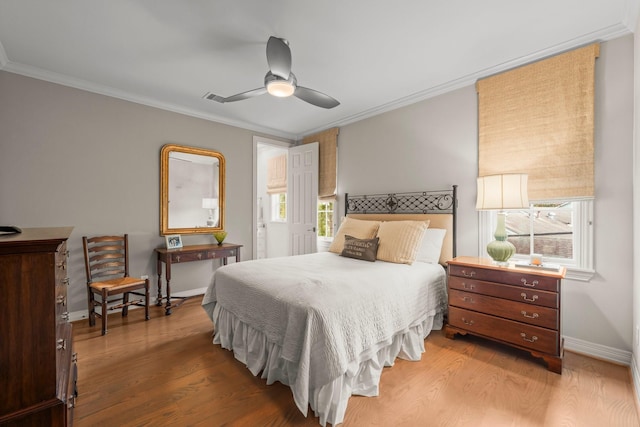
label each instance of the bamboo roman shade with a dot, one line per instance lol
(327, 147)
(277, 174)
(539, 119)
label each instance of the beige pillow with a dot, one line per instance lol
(400, 240)
(358, 228)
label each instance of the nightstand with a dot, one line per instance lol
(519, 307)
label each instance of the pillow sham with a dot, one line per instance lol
(431, 246)
(400, 240)
(364, 249)
(358, 228)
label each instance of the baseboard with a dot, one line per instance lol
(621, 357)
(84, 314)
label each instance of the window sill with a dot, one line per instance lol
(580, 274)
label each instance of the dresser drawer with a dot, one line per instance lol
(521, 312)
(511, 277)
(223, 253)
(514, 293)
(521, 334)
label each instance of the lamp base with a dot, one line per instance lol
(500, 251)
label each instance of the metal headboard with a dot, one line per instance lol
(424, 202)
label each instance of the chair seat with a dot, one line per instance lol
(118, 283)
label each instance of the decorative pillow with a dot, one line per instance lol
(364, 249)
(431, 246)
(358, 228)
(400, 240)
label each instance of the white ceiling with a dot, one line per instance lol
(371, 55)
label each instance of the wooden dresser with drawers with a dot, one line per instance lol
(515, 306)
(37, 363)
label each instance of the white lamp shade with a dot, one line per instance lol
(209, 203)
(506, 191)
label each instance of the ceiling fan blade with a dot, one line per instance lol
(316, 98)
(238, 97)
(279, 57)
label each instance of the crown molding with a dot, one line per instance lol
(631, 14)
(52, 77)
(605, 34)
(3, 57)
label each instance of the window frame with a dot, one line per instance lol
(329, 226)
(581, 266)
(275, 205)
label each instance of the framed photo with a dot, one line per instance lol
(174, 241)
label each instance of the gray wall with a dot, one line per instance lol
(636, 215)
(433, 144)
(59, 146)
(74, 158)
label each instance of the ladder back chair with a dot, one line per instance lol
(106, 260)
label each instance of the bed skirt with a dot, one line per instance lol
(329, 401)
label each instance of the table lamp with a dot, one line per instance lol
(211, 204)
(502, 192)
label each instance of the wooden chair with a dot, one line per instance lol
(106, 260)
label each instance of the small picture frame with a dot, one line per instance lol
(174, 241)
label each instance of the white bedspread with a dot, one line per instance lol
(319, 314)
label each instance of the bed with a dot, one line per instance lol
(326, 324)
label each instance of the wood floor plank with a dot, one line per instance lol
(167, 372)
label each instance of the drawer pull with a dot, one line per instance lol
(177, 258)
(61, 299)
(532, 339)
(530, 316)
(61, 344)
(199, 255)
(62, 265)
(464, 273)
(467, 285)
(72, 402)
(467, 299)
(66, 281)
(467, 322)
(532, 299)
(532, 284)
(65, 315)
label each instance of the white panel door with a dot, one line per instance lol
(302, 198)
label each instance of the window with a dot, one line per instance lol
(325, 219)
(562, 232)
(279, 207)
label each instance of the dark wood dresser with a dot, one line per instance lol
(37, 363)
(515, 306)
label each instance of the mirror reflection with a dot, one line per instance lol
(192, 190)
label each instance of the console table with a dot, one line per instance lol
(188, 254)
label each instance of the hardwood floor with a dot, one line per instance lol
(167, 372)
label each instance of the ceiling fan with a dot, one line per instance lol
(280, 81)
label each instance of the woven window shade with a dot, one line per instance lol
(277, 174)
(538, 119)
(327, 147)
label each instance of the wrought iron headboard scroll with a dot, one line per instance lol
(424, 202)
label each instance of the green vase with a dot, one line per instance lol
(500, 250)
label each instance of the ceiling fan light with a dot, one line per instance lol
(280, 88)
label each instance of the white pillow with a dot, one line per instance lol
(431, 246)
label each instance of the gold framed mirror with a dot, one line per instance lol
(192, 197)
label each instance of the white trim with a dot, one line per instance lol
(3, 57)
(84, 314)
(608, 33)
(635, 378)
(598, 351)
(256, 141)
(583, 269)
